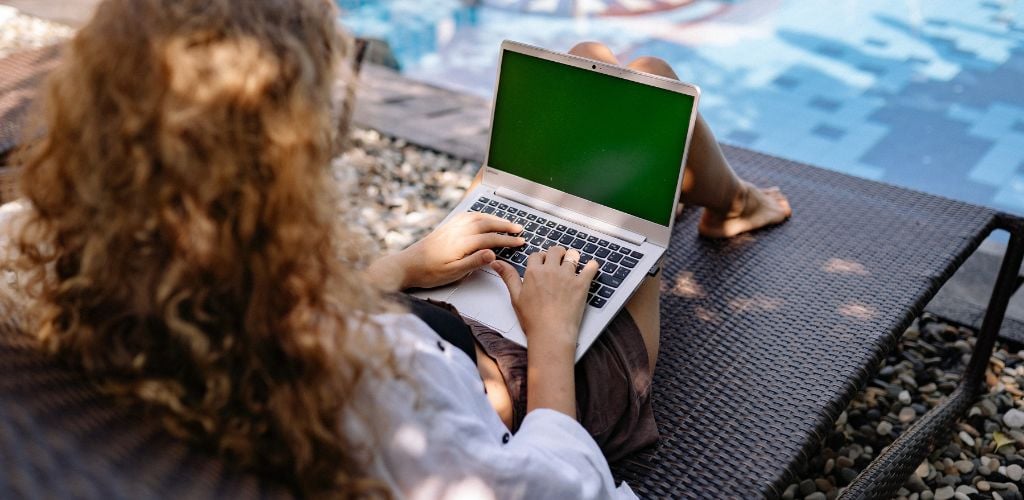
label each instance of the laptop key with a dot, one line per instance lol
(477, 207)
(576, 243)
(603, 243)
(555, 235)
(584, 259)
(615, 257)
(590, 248)
(501, 213)
(537, 241)
(598, 302)
(629, 262)
(621, 273)
(548, 244)
(531, 217)
(592, 239)
(614, 246)
(506, 253)
(549, 224)
(531, 250)
(594, 286)
(602, 252)
(519, 269)
(543, 231)
(605, 292)
(530, 226)
(608, 280)
(571, 231)
(541, 220)
(566, 239)
(636, 255)
(562, 228)
(488, 210)
(608, 267)
(519, 258)
(581, 235)
(484, 199)
(492, 203)
(503, 206)
(518, 220)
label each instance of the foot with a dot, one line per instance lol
(753, 208)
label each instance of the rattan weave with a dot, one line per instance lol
(20, 77)
(765, 338)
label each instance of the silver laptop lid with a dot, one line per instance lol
(601, 140)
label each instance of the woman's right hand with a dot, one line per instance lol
(549, 301)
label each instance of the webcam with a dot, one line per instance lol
(593, 66)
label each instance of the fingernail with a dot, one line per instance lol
(520, 228)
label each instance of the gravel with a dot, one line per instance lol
(22, 32)
(982, 455)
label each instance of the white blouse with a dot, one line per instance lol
(439, 436)
(443, 439)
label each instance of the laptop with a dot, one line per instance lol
(584, 155)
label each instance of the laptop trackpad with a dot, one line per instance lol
(484, 297)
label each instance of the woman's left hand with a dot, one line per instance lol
(447, 254)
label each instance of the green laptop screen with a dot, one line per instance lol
(608, 140)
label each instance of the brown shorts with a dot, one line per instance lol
(613, 385)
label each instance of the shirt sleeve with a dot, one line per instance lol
(439, 438)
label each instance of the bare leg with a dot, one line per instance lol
(732, 205)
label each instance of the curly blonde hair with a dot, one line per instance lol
(184, 248)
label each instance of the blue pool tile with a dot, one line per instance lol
(828, 131)
(1018, 126)
(876, 42)
(825, 104)
(742, 137)
(786, 82)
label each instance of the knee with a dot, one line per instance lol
(594, 50)
(653, 65)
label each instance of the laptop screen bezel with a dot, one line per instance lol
(494, 177)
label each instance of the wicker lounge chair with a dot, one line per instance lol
(765, 340)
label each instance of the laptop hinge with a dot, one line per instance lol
(576, 217)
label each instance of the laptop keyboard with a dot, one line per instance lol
(616, 261)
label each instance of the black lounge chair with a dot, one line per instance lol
(765, 340)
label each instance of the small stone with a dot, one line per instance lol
(790, 492)
(807, 487)
(1014, 472)
(928, 388)
(966, 438)
(964, 466)
(1014, 419)
(945, 493)
(847, 475)
(844, 462)
(983, 486)
(884, 428)
(907, 414)
(984, 470)
(915, 484)
(829, 465)
(817, 495)
(922, 470)
(904, 397)
(961, 496)
(823, 484)
(966, 490)
(988, 408)
(927, 495)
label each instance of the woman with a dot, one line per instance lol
(180, 240)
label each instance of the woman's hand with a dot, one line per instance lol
(447, 254)
(550, 296)
(549, 302)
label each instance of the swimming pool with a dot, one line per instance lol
(926, 94)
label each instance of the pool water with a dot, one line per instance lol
(926, 94)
